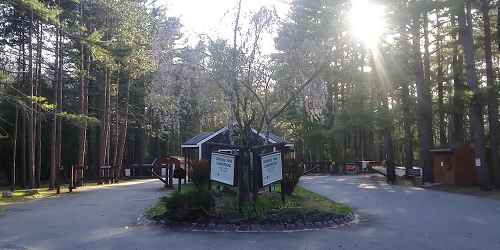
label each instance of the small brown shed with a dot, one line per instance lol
(454, 165)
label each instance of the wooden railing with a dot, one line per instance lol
(108, 174)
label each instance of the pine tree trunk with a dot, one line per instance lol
(23, 116)
(104, 124)
(389, 155)
(498, 27)
(38, 147)
(108, 120)
(24, 170)
(439, 79)
(117, 110)
(407, 123)
(31, 114)
(14, 152)
(424, 108)
(123, 134)
(477, 129)
(457, 131)
(60, 101)
(54, 164)
(406, 102)
(82, 138)
(492, 93)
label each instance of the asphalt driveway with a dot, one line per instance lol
(393, 218)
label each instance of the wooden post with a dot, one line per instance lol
(170, 175)
(71, 178)
(99, 172)
(57, 181)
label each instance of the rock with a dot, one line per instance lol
(7, 194)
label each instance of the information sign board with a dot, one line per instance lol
(222, 168)
(272, 168)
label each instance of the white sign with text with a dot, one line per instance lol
(478, 162)
(222, 168)
(271, 168)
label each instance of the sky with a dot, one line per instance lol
(215, 17)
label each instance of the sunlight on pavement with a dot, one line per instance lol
(367, 186)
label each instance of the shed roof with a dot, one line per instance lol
(198, 138)
(275, 138)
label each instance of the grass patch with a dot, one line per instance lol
(311, 200)
(23, 196)
(156, 211)
(160, 208)
(301, 199)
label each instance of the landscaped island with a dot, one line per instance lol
(200, 210)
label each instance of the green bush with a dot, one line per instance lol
(188, 206)
(200, 173)
(293, 172)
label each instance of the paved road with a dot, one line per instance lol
(394, 218)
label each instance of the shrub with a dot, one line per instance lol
(157, 211)
(293, 171)
(188, 206)
(200, 173)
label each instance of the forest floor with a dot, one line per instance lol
(392, 217)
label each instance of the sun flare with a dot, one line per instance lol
(367, 21)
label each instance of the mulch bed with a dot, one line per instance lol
(281, 221)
